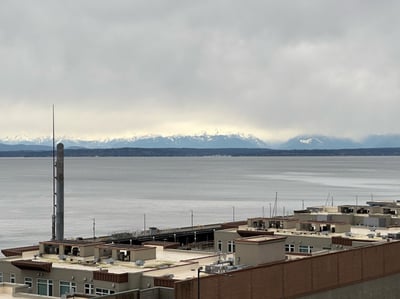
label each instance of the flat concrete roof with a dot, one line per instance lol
(124, 247)
(19, 250)
(164, 258)
(279, 218)
(323, 222)
(261, 239)
(72, 242)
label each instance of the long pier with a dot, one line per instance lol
(200, 236)
(183, 235)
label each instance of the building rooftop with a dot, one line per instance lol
(123, 246)
(261, 239)
(19, 250)
(74, 242)
(164, 258)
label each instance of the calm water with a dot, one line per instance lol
(118, 192)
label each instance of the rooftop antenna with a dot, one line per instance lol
(144, 223)
(270, 211)
(94, 228)
(275, 209)
(356, 202)
(53, 217)
(327, 199)
(57, 226)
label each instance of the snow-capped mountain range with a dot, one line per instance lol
(204, 141)
(327, 142)
(201, 141)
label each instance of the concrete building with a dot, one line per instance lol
(365, 272)
(315, 253)
(58, 268)
(375, 214)
(321, 228)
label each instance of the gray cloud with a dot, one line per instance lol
(268, 68)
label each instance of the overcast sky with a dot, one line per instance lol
(272, 69)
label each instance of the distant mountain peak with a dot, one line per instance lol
(310, 140)
(318, 142)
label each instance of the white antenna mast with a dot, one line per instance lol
(275, 209)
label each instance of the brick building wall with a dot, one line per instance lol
(299, 278)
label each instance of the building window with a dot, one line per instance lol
(12, 278)
(1, 276)
(45, 287)
(219, 245)
(67, 287)
(289, 247)
(100, 291)
(89, 288)
(28, 281)
(231, 246)
(305, 249)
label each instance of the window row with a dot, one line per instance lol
(45, 286)
(230, 246)
(302, 248)
(12, 278)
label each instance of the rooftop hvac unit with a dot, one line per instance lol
(139, 263)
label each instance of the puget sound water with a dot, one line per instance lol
(128, 194)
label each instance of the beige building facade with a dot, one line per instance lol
(259, 250)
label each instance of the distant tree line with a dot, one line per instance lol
(194, 152)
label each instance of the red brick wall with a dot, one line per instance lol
(372, 261)
(267, 280)
(297, 277)
(391, 260)
(325, 272)
(292, 279)
(349, 267)
(112, 277)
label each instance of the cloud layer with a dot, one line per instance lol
(273, 69)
